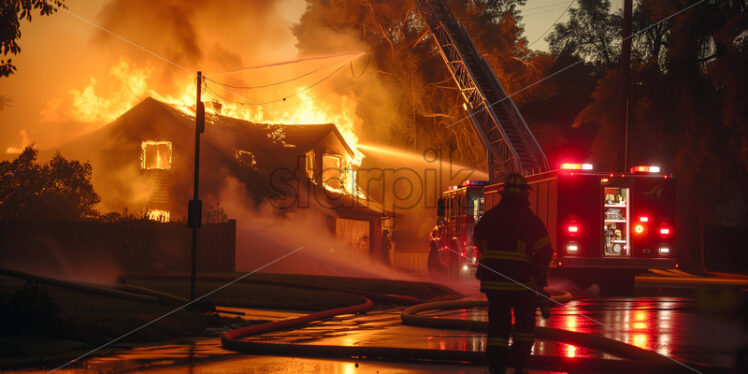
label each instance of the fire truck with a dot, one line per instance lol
(605, 227)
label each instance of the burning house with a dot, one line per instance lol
(143, 164)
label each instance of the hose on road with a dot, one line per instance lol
(410, 317)
(634, 358)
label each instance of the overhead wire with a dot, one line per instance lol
(128, 41)
(305, 59)
(357, 78)
(543, 11)
(567, 67)
(283, 98)
(269, 84)
(552, 24)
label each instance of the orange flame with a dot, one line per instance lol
(158, 215)
(155, 155)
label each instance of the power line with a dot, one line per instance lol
(270, 84)
(567, 67)
(555, 8)
(333, 90)
(290, 95)
(296, 61)
(552, 24)
(307, 87)
(128, 41)
(553, 5)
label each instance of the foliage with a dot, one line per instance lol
(688, 76)
(12, 12)
(411, 98)
(60, 190)
(592, 33)
(31, 312)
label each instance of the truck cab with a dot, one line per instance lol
(451, 248)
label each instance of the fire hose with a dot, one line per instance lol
(634, 358)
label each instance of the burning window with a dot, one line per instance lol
(155, 155)
(331, 171)
(158, 215)
(310, 164)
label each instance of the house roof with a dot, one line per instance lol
(271, 146)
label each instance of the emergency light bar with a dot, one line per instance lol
(468, 183)
(570, 166)
(645, 169)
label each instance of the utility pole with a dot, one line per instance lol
(626, 77)
(195, 206)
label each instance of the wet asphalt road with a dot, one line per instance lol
(678, 327)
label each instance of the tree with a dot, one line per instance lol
(58, 191)
(591, 33)
(411, 97)
(12, 12)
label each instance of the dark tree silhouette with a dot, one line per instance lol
(58, 191)
(12, 12)
(592, 33)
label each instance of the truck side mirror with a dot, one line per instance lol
(440, 207)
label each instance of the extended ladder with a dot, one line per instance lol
(510, 145)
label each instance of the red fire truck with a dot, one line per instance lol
(605, 227)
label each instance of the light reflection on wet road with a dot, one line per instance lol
(671, 326)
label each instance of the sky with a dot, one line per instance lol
(66, 61)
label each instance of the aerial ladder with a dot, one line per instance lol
(509, 143)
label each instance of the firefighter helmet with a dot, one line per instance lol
(515, 184)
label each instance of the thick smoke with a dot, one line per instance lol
(265, 234)
(74, 78)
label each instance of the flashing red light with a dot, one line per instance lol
(665, 231)
(643, 219)
(645, 169)
(571, 166)
(573, 228)
(639, 229)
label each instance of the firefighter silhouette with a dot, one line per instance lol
(513, 262)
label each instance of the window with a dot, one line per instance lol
(331, 171)
(155, 155)
(310, 164)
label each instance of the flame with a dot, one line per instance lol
(158, 215)
(127, 89)
(130, 86)
(150, 147)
